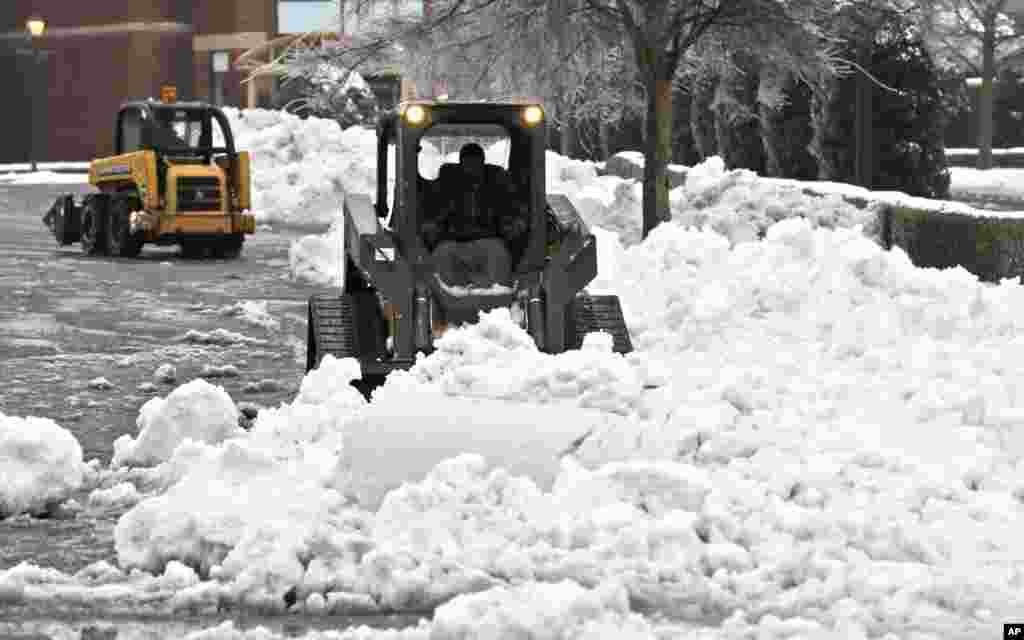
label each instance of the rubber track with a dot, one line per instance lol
(332, 321)
(598, 313)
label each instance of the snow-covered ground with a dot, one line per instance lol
(1003, 184)
(974, 150)
(45, 166)
(43, 177)
(833, 449)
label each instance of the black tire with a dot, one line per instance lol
(194, 248)
(229, 247)
(587, 313)
(94, 227)
(120, 240)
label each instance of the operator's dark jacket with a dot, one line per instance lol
(497, 202)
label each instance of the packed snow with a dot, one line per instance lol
(302, 168)
(814, 438)
(196, 410)
(44, 177)
(165, 373)
(219, 337)
(1006, 184)
(44, 166)
(974, 150)
(40, 465)
(253, 312)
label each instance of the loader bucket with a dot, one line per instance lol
(402, 435)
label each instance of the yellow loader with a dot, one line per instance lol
(175, 178)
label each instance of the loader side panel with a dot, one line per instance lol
(240, 176)
(372, 250)
(572, 267)
(361, 223)
(138, 168)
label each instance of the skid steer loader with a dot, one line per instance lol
(394, 302)
(170, 181)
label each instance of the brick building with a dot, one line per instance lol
(103, 52)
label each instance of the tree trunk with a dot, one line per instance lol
(830, 139)
(567, 139)
(864, 120)
(559, 23)
(702, 119)
(786, 129)
(986, 98)
(657, 148)
(604, 135)
(683, 149)
(736, 125)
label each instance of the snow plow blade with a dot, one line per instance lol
(402, 435)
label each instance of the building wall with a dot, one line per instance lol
(65, 13)
(104, 52)
(82, 100)
(234, 16)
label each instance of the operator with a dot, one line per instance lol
(164, 135)
(469, 233)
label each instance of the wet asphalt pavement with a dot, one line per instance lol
(67, 319)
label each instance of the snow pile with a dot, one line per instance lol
(319, 259)
(44, 177)
(40, 465)
(219, 371)
(562, 610)
(219, 337)
(100, 384)
(119, 497)
(496, 358)
(302, 168)
(609, 202)
(266, 492)
(165, 373)
(252, 312)
(556, 610)
(999, 183)
(974, 151)
(196, 410)
(741, 205)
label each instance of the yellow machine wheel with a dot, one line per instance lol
(120, 240)
(94, 231)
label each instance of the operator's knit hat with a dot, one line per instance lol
(471, 150)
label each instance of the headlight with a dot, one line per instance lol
(415, 115)
(533, 115)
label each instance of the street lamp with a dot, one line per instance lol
(36, 27)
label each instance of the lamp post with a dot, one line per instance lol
(36, 26)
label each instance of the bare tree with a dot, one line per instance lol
(661, 32)
(481, 34)
(982, 38)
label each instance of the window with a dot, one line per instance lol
(178, 129)
(131, 132)
(441, 144)
(300, 16)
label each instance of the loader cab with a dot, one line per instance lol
(423, 139)
(178, 133)
(183, 130)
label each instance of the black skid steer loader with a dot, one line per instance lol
(394, 302)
